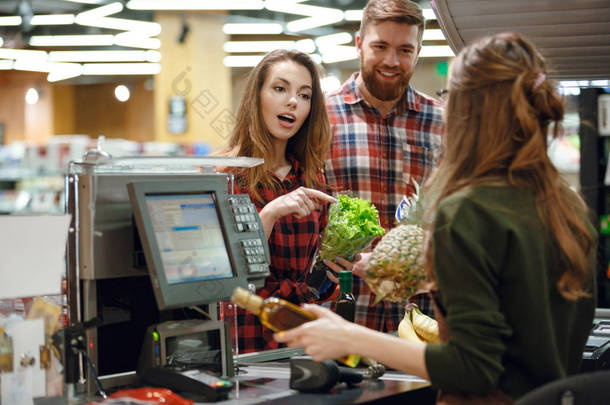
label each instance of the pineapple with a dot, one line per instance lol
(396, 266)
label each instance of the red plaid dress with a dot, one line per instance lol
(378, 157)
(292, 244)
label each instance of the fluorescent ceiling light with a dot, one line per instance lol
(10, 21)
(330, 83)
(316, 58)
(305, 45)
(39, 66)
(6, 53)
(334, 39)
(599, 83)
(104, 56)
(135, 40)
(352, 15)
(242, 61)
(53, 19)
(87, 1)
(6, 64)
(142, 27)
(103, 69)
(356, 15)
(317, 16)
(313, 22)
(99, 12)
(339, 53)
(429, 14)
(433, 35)
(256, 46)
(250, 29)
(72, 40)
(436, 51)
(57, 75)
(195, 5)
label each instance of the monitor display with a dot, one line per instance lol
(199, 242)
(189, 236)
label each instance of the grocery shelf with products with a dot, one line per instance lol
(32, 176)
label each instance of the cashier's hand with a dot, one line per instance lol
(357, 267)
(298, 203)
(325, 338)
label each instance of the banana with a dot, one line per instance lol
(418, 327)
(424, 326)
(406, 330)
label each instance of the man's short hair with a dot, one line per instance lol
(400, 11)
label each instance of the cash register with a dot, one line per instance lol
(156, 245)
(199, 243)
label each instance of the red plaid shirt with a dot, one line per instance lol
(378, 157)
(293, 244)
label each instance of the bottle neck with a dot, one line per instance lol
(345, 282)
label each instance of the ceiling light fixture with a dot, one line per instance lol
(242, 60)
(72, 40)
(47, 67)
(316, 16)
(121, 92)
(256, 46)
(63, 71)
(104, 56)
(195, 5)
(98, 17)
(10, 21)
(53, 19)
(135, 40)
(31, 96)
(103, 69)
(6, 53)
(87, 1)
(102, 11)
(356, 15)
(436, 51)
(433, 35)
(339, 53)
(338, 38)
(6, 64)
(304, 45)
(252, 29)
(146, 28)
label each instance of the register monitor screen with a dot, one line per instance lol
(199, 242)
(189, 236)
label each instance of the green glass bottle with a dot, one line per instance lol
(345, 305)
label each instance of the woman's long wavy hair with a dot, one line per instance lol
(251, 137)
(499, 110)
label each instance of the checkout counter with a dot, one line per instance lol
(155, 243)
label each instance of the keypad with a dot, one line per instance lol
(244, 213)
(254, 254)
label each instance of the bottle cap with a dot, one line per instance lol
(246, 300)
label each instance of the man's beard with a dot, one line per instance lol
(384, 91)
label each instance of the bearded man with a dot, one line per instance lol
(386, 135)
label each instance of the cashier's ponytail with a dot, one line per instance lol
(501, 110)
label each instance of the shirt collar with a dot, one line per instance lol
(352, 95)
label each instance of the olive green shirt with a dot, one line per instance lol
(497, 274)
